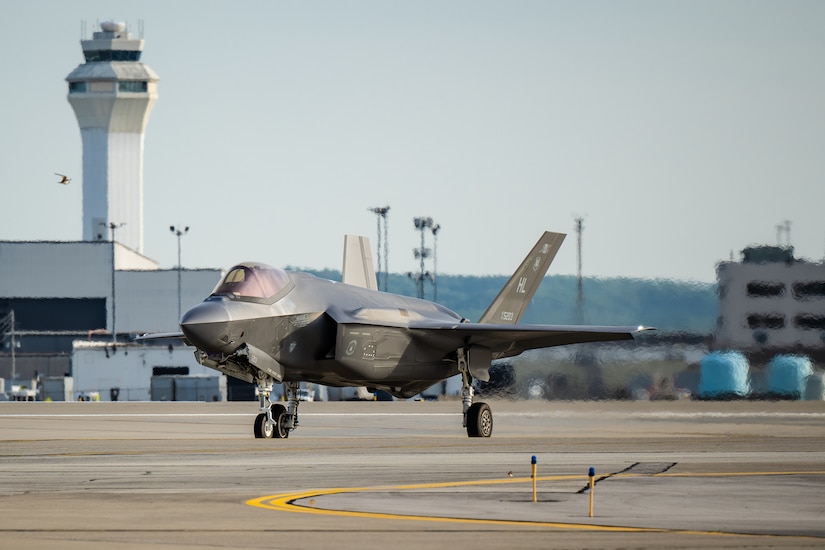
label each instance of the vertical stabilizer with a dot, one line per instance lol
(358, 269)
(509, 305)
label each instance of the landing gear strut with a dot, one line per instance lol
(478, 417)
(275, 420)
(291, 416)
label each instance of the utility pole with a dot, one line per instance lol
(579, 286)
(7, 326)
(13, 349)
(113, 227)
(179, 233)
(435, 229)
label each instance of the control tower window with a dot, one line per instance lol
(254, 282)
(77, 87)
(133, 86)
(111, 55)
(102, 87)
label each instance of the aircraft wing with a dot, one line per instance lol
(161, 336)
(503, 340)
(510, 340)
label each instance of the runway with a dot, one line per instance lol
(184, 475)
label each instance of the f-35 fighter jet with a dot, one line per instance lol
(266, 325)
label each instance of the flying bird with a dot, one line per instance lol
(64, 179)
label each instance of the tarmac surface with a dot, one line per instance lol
(681, 474)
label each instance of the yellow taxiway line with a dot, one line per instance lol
(286, 502)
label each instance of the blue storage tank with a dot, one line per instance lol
(723, 375)
(788, 375)
(816, 388)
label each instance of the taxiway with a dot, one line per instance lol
(184, 475)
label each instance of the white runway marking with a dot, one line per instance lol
(669, 414)
(543, 414)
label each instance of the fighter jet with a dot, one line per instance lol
(266, 325)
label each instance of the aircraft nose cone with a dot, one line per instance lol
(206, 326)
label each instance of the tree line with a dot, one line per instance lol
(669, 305)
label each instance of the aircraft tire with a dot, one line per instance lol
(259, 425)
(479, 420)
(262, 431)
(280, 419)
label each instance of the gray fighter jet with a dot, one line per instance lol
(266, 325)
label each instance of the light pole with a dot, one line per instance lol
(112, 227)
(381, 214)
(178, 232)
(435, 229)
(422, 224)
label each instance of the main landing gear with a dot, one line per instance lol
(478, 417)
(275, 420)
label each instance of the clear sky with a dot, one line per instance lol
(681, 131)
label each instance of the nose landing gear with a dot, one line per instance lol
(275, 420)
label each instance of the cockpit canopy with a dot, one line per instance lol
(254, 282)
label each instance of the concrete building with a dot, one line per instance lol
(143, 373)
(61, 292)
(771, 303)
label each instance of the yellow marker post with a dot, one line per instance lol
(592, 474)
(533, 461)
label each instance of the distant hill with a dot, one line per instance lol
(670, 306)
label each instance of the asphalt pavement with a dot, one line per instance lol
(680, 474)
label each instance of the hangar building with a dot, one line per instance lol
(63, 292)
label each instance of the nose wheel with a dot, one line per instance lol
(277, 428)
(275, 420)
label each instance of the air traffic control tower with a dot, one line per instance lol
(112, 94)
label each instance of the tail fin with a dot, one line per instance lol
(509, 305)
(358, 269)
